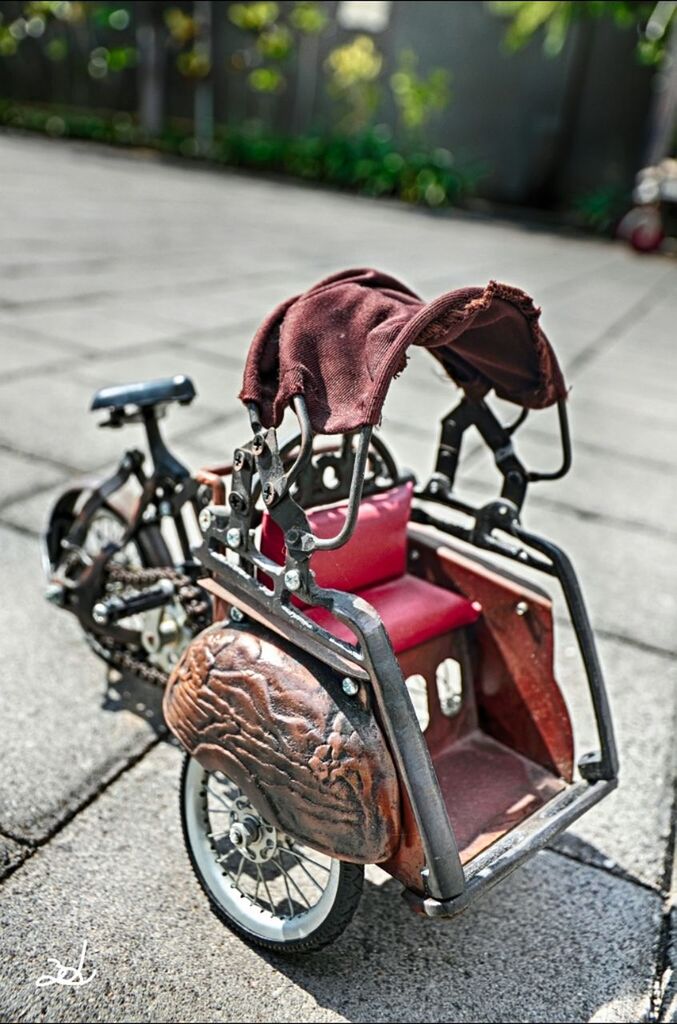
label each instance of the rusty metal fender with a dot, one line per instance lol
(63, 511)
(310, 758)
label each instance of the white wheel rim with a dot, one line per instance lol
(244, 887)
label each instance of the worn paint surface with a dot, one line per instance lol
(311, 760)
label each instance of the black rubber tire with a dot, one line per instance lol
(348, 895)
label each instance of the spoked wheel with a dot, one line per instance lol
(268, 888)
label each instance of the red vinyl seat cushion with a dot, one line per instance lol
(412, 611)
(373, 565)
(377, 550)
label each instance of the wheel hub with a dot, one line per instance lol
(250, 834)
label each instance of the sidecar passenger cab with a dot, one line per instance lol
(473, 692)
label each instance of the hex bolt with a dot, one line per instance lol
(521, 607)
(233, 537)
(205, 518)
(236, 615)
(292, 579)
(349, 686)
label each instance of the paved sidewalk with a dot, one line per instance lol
(114, 268)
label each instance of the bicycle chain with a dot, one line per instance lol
(194, 601)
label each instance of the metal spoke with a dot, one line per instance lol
(302, 856)
(313, 880)
(220, 797)
(265, 886)
(239, 870)
(299, 891)
(227, 854)
(286, 885)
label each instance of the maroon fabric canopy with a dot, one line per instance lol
(341, 343)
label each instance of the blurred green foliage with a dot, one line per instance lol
(601, 209)
(272, 39)
(369, 162)
(351, 151)
(555, 17)
(417, 98)
(352, 73)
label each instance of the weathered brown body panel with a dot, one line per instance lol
(510, 749)
(518, 699)
(312, 760)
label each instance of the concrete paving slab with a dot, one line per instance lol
(29, 514)
(54, 422)
(627, 575)
(557, 941)
(96, 326)
(630, 831)
(217, 384)
(601, 485)
(11, 854)
(22, 351)
(668, 1010)
(59, 746)
(21, 476)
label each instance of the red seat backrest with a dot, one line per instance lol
(376, 552)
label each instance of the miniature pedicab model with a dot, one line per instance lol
(344, 587)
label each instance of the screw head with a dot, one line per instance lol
(205, 518)
(521, 608)
(100, 613)
(233, 537)
(258, 444)
(238, 459)
(237, 502)
(350, 686)
(292, 579)
(148, 514)
(268, 494)
(55, 594)
(236, 615)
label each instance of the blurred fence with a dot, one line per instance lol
(431, 78)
